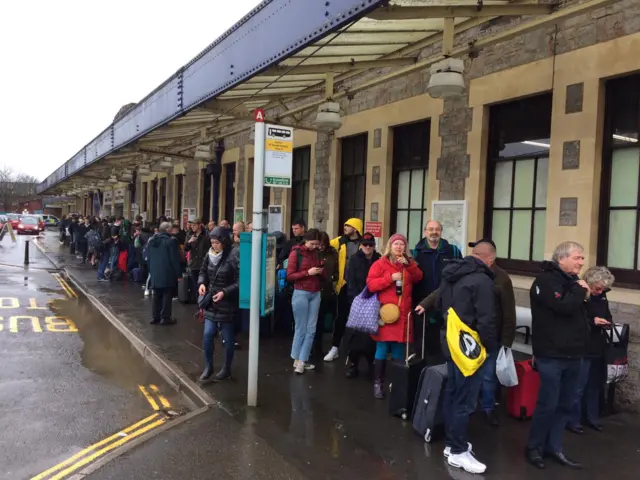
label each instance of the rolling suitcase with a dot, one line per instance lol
(428, 416)
(184, 287)
(403, 379)
(521, 399)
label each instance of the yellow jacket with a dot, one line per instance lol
(340, 244)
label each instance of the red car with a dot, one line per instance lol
(14, 218)
(28, 225)
(39, 219)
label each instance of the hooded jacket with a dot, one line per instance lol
(467, 286)
(222, 277)
(357, 273)
(340, 244)
(199, 249)
(164, 261)
(558, 313)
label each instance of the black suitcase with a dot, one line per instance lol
(184, 288)
(403, 380)
(428, 417)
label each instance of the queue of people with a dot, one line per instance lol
(320, 278)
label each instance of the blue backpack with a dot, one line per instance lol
(283, 284)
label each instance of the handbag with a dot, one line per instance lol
(616, 353)
(204, 301)
(466, 350)
(365, 313)
(390, 312)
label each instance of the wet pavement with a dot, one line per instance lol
(321, 424)
(68, 378)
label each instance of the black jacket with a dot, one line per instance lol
(223, 277)
(81, 231)
(432, 261)
(559, 318)
(357, 272)
(198, 249)
(597, 306)
(286, 248)
(467, 286)
(164, 261)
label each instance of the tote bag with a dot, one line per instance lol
(467, 352)
(364, 315)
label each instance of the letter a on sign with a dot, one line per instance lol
(258, 115)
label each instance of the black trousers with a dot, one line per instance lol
(341, 318)
(327, 306)
(162, 302)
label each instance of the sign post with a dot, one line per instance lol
(278, 156)
(256, 259)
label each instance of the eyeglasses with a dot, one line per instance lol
(368, 246)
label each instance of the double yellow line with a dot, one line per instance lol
(155, 398)
(99, 449)
(65, 286)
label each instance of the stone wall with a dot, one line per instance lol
(321, 181)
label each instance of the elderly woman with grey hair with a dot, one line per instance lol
(592, 376)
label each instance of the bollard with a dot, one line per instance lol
(26, 252)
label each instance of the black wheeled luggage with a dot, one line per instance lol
(403, 377)
(184, 288)
(428, 417)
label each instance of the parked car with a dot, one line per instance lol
(41, 224)
(51, 220)
(14, 218)
(29, 224)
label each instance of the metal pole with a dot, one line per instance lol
(26, 252)
(256, 260)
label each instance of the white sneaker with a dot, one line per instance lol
(332, 355)
(299, 367)
(467, 462)
(309, 366)
(295, 363)
(447, 450)
(147, 293)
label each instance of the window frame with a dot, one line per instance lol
(627, 278)
(300, 185)
(346, 212)
(517, 266)
(401, 164)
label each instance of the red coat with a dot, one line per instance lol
(298, 274)
(379, 281)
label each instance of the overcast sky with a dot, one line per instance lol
(69, 65)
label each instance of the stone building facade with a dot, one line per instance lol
(571, 62)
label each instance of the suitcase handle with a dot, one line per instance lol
(408, 358)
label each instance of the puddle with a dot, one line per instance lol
(107, 352)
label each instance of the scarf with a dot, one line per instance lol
(214, 258)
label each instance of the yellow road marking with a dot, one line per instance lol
(69, 288)
(150, 399)
(82, 453)
(107, 449)
(63, 285)
(163, 400)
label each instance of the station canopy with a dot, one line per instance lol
(384, 43)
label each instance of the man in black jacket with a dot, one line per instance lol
(560, 331)
(164, 266)
(467, 287)
(298, 228)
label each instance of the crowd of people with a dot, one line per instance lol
(319, 278)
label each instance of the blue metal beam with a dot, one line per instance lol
(270, 33)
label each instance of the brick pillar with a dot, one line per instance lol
(453, 164)
(241, 181)
(321, 181)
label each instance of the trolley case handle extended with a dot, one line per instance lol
(408, 357)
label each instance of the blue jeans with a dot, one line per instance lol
(397, 350)
(588, 390)
(460, 400)
(558, 381)
(306, 306)
(228, 335)
(104, 261)
(489, 382)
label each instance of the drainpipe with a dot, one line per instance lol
(219, 151)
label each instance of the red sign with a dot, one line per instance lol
(374, 228)
(258, 115)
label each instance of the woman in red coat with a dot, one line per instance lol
(394, 273)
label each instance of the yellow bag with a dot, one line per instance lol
(467, 352)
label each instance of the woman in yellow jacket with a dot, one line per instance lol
(346, 245)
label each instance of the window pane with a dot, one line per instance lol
(500, 232)
(622, 232)
(624, 178)
(402, 219)
(542, 178)
(415, 228)
(417, 188)
(521, 235)
(539, 234)
(403, 189)
(523, 185)
(502, 189)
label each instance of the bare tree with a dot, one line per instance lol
(14, 186)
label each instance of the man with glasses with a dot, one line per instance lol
(431, 254)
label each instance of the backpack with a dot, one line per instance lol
(283, 284)
(93, 238)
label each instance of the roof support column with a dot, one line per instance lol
(447, 36)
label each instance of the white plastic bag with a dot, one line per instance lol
(506, 368)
